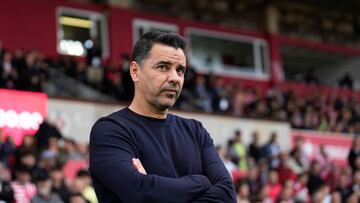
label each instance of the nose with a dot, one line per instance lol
(173, 76)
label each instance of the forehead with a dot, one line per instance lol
(160, 52)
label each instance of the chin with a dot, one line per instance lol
(165, 105)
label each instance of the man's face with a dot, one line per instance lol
(44, 187)
(23, 177)
(161, 76)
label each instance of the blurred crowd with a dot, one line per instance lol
(45, 168)
(22, 70)
(28, 70)
(50, 168)
(313, 111)
(264, 173)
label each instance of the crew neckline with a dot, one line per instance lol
(148, 118)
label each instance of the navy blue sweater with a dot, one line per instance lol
(178, 155)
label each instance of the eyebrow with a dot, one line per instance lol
(169, 63)
(163, 62)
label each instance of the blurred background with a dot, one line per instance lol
(275, 82)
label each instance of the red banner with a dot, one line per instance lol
(336, 146)
(21, 113)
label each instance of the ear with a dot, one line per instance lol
(134, 71)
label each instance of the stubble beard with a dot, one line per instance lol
(163, 106)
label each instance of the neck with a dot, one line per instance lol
(147, 110)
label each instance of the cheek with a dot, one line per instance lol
(152, 85)
(182, 82)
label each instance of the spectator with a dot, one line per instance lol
(29, 75)
(77, 198)
(355, 185)
(274, 187)
(255, 151)
(346, 81)
(232, 152)
(2, 50)
(219, 95)
(113, 82)
(19, 59)
(185, 101)
(126, 79)
(230, 166)
(272, 151)
(243, 192)
(253, 180)
(80, 73)
(354, 153)
(240, 150)
(299, 161)
(48, 159)
(203, 97)
(58, 184)
(23, 189)
(8, 73)
(28, 145)
(263, 195)
(322, 194)
(315, 179)
(324, 161)
(88, 191)
(8, 151)
(6, 192)
(190, 78)
(287, 192)
(343, 187)
(301, 192)
(116, 88)
(28, 159)
(297, 164)
(44, 194)
(45, 131)
(71, 150)
(67, 64)
(311, 78)
(284, 170)
(354, 198)
(263, 171)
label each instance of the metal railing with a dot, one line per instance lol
(61, 85)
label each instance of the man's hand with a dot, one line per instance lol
(138, 165)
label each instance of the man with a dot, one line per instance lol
(44, 194)
(23, 189)
(142, 153)
(6, 192)
(77, 198)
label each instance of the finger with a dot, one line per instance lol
(136, 163)
(141, 167)
(139, 162)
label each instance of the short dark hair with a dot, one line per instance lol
(83, 173)
(143, 46)
(42, 176)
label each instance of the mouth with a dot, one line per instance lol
(171, 90)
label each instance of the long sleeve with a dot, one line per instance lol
(112, 148)
(222, 190)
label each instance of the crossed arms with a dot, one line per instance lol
(112, 153)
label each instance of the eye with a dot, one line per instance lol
(162, 67)
(180, 70)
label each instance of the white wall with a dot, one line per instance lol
(75, 118)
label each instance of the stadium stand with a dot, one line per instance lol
(312, 110)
